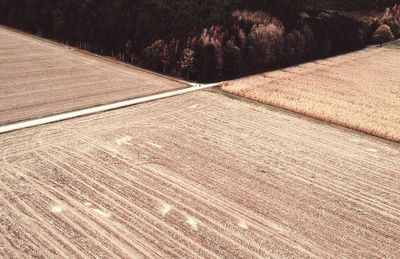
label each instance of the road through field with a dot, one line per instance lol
(101, 108)
(40, 78)
(200, 175)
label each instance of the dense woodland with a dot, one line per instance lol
(204, 40)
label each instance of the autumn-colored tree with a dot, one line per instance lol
(187, 62)
(382, 34)
(268, 39)
(254, 39)
(212, 41)
(391, 17)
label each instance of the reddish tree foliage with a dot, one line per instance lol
(269, 39)
(255, 41)
(392, 18)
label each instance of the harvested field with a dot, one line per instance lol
(201, 175)
(39, 78)
(360, 90)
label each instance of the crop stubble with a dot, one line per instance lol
(199, 175)
(360, 90)
(40, 78)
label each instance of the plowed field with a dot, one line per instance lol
(198, 175)
(39, 78)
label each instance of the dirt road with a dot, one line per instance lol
(201, 175)
(39, 78)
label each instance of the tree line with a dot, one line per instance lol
(204, 40)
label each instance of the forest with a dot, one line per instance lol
(204, 40)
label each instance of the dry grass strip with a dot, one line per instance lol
(360, 90)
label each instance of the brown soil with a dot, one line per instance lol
(200, 175)
(39, 78)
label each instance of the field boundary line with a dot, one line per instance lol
(389, 43)
(102, 108)
(310, 118)
(92, 54)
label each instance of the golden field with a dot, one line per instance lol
(360, 90)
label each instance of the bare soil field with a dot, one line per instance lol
(201, 175)
(39, 78)
(360, 90)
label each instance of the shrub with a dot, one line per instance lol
(382, 34)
